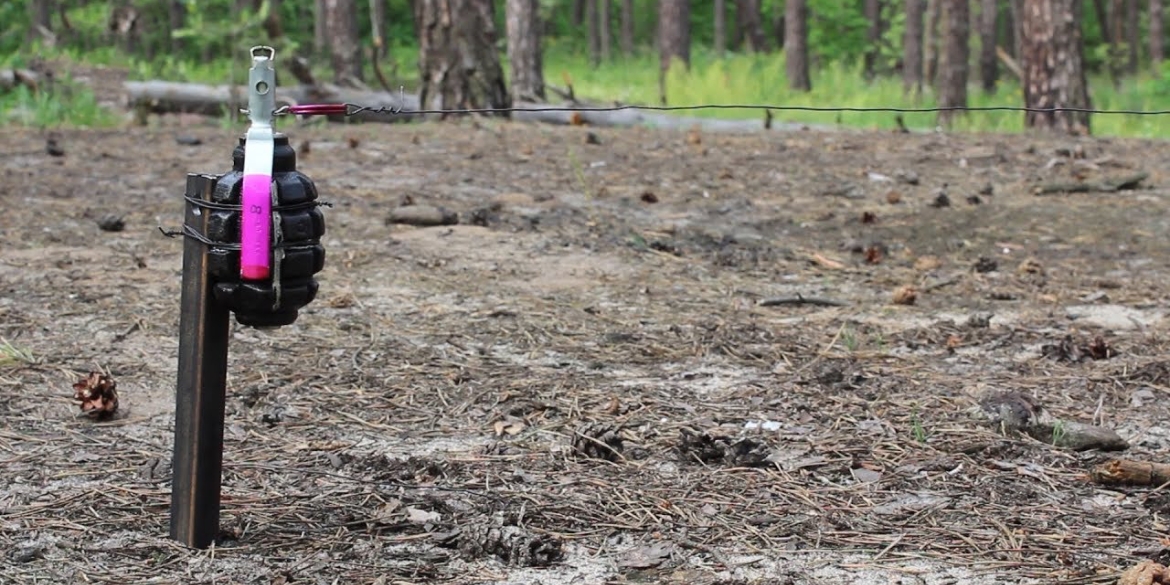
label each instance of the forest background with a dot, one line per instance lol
(610, 51)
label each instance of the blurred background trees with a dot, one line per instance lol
(934, 50)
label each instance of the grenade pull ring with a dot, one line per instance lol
(256, 197)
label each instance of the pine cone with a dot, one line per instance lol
(596, 440)
(512, 544)
(98, 394)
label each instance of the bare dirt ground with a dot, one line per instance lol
(417, 423)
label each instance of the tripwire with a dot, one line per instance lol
(346, 109)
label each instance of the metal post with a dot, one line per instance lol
(202, 386)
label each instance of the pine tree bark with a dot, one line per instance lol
(1157, 30)
(674, 32)
(1015, 27)
(873, 38)
(1054, 72)
(749, 19)
(177, 19)
(525, 55)
(1133, 40)
(720, 28)
(320, 32)
(580, 7)
(954, 69)
(605, 28)
(591, 27)
(1116, 38)
(674, 38)
(40, 15)
(930, 42)
(912, 49)
(627, 27)
(272, 25)
(341, 24)
(458, 64)
(796, 45)
(988, 27)
(378, 27)
(778, 30)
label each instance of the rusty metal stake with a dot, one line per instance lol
(202, 386)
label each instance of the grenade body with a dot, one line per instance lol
(297, 253)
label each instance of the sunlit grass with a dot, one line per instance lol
(760, 79)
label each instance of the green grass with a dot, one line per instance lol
(10, 355)
(66, 104)
(760, 79)
(737, 79)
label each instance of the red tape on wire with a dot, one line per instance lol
(319, 109)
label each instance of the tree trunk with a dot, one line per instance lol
(272, 25)
(320, 32)
(1015, 27)
(953, 71)
(627, 25)
(592, 32)
(749, 19)
(988, 27)
(721, 28)
(873, 38)
(778, 31)
(796, 45)
(177, 17)
(605, 28)
(1133, 38)
(341, 24)
(912, 49)
(580, 7)
(378, 27)
(458, 64)
(674, 38)
(40, 17)
(930, 42)
(524, 49)
(1157, 30)
(1116, 27)
(674, 32)
(1054, 73)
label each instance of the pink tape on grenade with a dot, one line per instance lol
(256, 227)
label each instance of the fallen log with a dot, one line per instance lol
(1129, 472)
(12, 78)
(176, 97)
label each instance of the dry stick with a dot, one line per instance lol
(800, 299)
(1107, 185)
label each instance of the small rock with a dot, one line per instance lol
(908, 177)
(54, 149)
(591, 138)
(188, 140)
(422, 215)
(111, 223)
(905, 295)
(984, 265)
